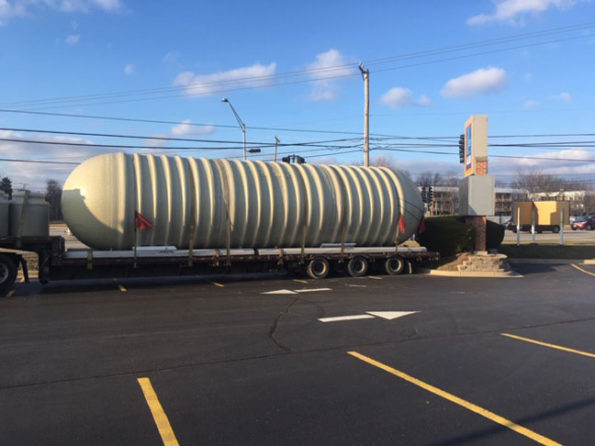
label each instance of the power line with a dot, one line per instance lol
(377, 136)
(156, 121)
(12, 160)
(316, 74)
(165, 138)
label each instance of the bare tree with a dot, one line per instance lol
(54, 197)
(589, 202)
(387, 161)
(428, 178)
(6, 186)
(536, 181)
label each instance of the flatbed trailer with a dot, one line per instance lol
(55, 262)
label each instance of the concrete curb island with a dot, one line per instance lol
(491, 274)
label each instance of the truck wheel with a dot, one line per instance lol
(556, 229)
(318, 268)
(8, 273)
(357, 267)
(394, 265)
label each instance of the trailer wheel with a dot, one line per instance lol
(357, 266)
(318, 268)
(394, 265)
(556, 229)
(588, 227)
(8, 273)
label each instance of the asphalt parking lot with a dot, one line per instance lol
(275, 360)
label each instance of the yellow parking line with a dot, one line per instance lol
(120, 286)
(545, 344)
(300, 281)
(161, 421)
(461, 402)
(582, 270)
(220, 285)
(375, 277)
(10, 293)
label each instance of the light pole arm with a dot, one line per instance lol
(235, 113)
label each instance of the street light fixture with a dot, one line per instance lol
(240, 122)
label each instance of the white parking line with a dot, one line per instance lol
(346, 318)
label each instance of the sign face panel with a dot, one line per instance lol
(476, 142)
(468, 148)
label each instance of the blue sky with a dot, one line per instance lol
(527, 64)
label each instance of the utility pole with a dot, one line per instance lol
(276, 145)
(366, 77)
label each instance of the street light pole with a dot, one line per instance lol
(276, 145)
(240, 122)
(366, 77)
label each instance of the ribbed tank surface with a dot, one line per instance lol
(241, 204)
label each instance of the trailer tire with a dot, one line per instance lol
(357, 266)
(8, 273)
(588, 227)
(556, 229)
(394, 265)
(318, 268)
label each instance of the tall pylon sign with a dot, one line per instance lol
(476, 145)
(476, 192)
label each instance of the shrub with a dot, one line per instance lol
(450, 235)
(494, 235)
(447, 235)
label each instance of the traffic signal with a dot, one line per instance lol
(462, 148)
(424, 197)
(430, 194)
(293, 159)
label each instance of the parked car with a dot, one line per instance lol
(584, 222)
(509, 224)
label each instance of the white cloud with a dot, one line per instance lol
(172, 57)
(129, 69)
(187, 128)
(565, 96)
(399, 97)
(254, 76)
(9, 10)
(514, 11)
(35, 175)
(73, 39)
(22, 8)
(482, 81)
(553, 163)
(531, 104)
(80, 5)
(324, 70)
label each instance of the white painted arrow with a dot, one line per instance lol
(279, 292)
(303, 290)
(390, 315)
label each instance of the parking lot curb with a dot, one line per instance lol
(547, 261)
(492, 274)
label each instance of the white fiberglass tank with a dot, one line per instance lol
(240, 204)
